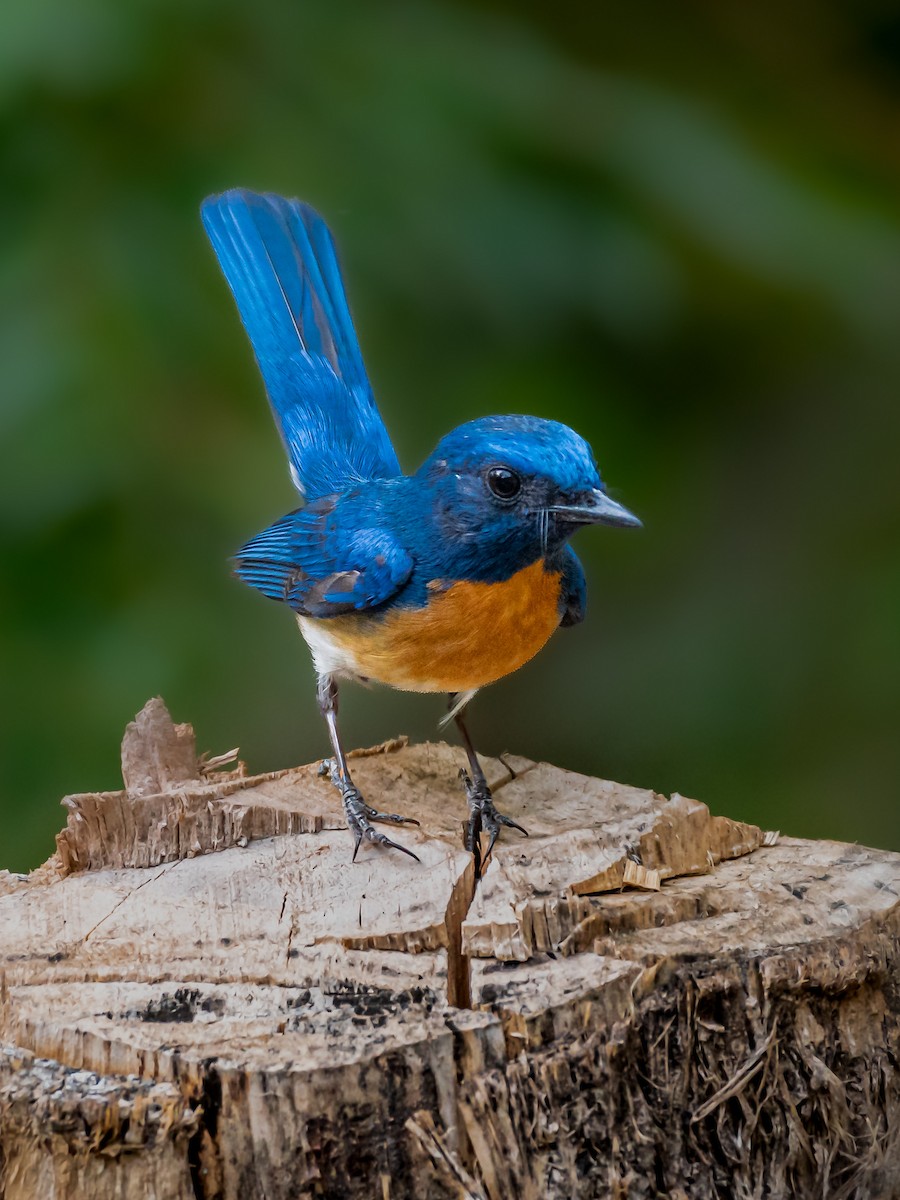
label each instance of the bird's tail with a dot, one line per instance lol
(280, 263)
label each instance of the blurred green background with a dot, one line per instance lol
(675, 227)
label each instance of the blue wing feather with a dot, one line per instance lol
(323, 571)
(280, 263)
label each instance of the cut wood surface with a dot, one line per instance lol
(201, 996)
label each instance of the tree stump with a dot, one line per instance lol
(202, 998)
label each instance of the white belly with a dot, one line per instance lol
(329, 656)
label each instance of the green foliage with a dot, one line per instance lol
(673, 227)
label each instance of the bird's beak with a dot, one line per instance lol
(596, 508)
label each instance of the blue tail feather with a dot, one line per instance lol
(280, 263)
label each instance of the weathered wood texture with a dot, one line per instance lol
(201, 997)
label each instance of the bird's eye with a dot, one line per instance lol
(503, 482)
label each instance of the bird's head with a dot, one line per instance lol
(519, 484)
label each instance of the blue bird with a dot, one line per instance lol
(440, 581)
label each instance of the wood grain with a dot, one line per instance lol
(202, 996)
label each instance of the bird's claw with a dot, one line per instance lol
(389, 818)
(360, 815)
(483, 818)
(378, 839)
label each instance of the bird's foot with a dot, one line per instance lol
(483, 818)
(360, 815)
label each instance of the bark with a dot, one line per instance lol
(202, 997)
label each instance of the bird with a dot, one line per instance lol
(443, 580)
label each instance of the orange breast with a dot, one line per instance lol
(468, 634)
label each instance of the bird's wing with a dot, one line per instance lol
(322, 571)
(573, 591)
(280, 263)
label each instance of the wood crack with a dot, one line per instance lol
(387, 1028)
(128, 896)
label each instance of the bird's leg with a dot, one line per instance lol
(359, 814)
(483, 816)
